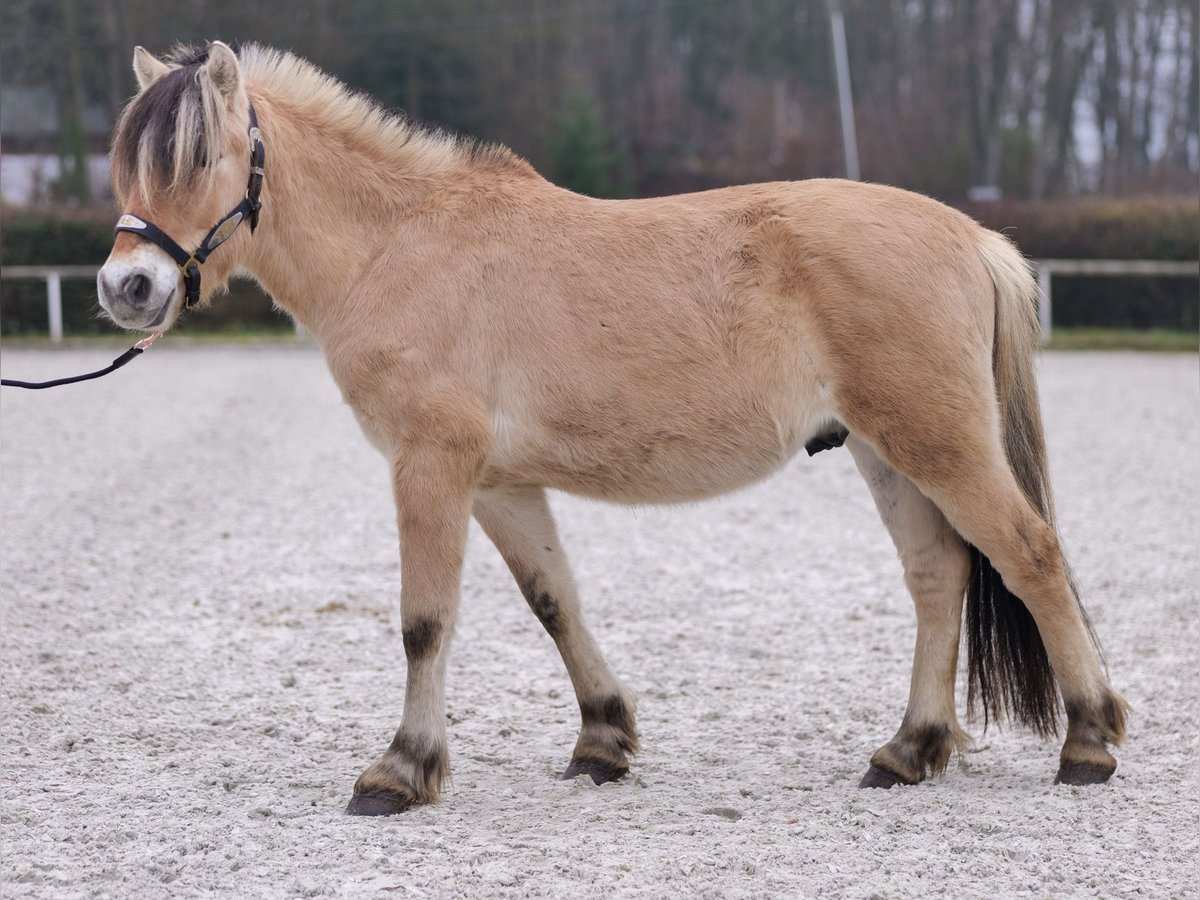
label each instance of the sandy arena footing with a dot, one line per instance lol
(201, 651)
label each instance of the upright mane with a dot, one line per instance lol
(163, 137)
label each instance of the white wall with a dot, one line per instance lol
(25, 178)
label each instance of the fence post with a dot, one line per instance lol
(1044, 300)
(54, 303)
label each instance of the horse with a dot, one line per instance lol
(497, 336)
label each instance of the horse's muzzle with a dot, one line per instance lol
(138, 293)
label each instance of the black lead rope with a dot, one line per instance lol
(136, 350)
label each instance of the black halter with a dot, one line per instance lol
(189, 263)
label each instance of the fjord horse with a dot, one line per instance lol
(497, 336)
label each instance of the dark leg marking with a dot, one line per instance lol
(905, 759)
(1106, 724)
(609, 711)
(420, 638)
(384, 789)
(428, 763)
(935, 744)
(1085, 758)
(606, 740)
(544, 606)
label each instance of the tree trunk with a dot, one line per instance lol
(988, 83)
(1071, 41)
(74, 184)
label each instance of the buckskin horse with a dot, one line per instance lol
(497, 336)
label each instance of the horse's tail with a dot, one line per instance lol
(1008, 671)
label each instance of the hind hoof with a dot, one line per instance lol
(1083, 773)
(378, 803)
(880, 778)
(600, 772)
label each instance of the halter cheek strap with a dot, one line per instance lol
(189, 263)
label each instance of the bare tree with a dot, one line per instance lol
(992, 36)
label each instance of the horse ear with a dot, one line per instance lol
(146, 68)
(224, 69)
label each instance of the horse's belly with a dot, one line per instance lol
(652, 459)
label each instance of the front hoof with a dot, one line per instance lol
(600, 772)
(880, 778)
(378, 803)
(1084, 773)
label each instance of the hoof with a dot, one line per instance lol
(378, 803)
(600, 772)
(880, 778)
(1083, 773)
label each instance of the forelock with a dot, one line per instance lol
(168, 134)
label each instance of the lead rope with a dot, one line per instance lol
(136, 350)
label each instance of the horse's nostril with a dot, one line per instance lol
(137, 288)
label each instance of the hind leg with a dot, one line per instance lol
(953, 454)
(989, 510)
(936, 568)
(519, 522)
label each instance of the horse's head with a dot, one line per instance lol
(179, 160)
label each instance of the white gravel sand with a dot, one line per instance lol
(201, 651)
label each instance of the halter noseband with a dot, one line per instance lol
(189, 263)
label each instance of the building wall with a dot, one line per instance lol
(26, 178)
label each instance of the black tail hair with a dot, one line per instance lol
(1008, 672)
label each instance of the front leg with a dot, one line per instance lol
(519, 522)
(433, 485)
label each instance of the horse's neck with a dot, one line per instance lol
(327, 201)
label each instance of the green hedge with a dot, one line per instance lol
(1165, 228)
(1098, 228)
(30, 237)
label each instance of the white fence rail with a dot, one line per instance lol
(53, 276)
(1152, 268)
(1046, 269)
